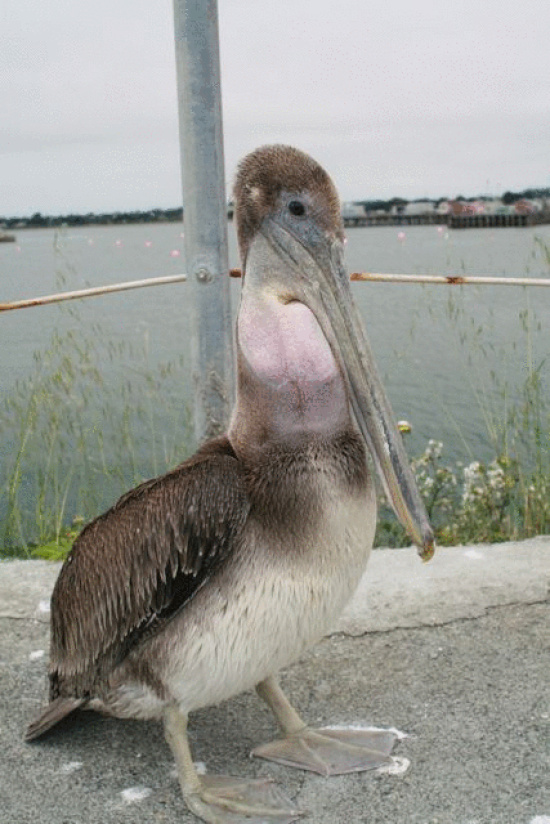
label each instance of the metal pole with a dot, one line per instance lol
(205, 210)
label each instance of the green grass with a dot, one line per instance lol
(79, 441)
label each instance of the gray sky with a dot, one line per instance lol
(424, 98)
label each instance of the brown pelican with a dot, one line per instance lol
(208, 580)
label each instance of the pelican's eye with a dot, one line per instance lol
(297, 208)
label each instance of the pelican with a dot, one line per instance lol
(210, 579)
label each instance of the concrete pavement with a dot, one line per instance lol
(456, 654)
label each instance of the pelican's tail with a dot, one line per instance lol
(54, 712)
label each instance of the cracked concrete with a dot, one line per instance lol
(455, 653)
(460, 582)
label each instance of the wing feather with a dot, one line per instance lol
(133, 568)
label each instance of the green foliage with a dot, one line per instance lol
(507, 498)
(478, 503)
(58, 548)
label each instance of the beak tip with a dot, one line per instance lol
(427, 549)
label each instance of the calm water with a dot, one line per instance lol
(445, 353)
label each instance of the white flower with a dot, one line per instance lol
(434, 449)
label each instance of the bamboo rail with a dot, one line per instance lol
(370, 277)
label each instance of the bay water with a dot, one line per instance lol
(454, 359)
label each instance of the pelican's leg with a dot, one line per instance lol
(326, 751)
(220, 799)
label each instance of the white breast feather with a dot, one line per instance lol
(274, 614)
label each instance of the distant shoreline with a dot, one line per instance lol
(465, 220)
(395, 208)
(39, 221)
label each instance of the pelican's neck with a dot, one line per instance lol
(288, 381)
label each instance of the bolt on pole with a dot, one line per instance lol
(205, 210)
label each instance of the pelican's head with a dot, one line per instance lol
(290, 234)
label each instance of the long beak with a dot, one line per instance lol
(318, 264)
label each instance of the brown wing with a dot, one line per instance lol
(133, 568)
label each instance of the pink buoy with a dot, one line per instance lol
(175, 253)
(401, 236)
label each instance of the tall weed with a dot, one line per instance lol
(72, 441)
(508, 497)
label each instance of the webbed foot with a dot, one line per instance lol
(331, 751)
(226, 800)
(220, 799)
